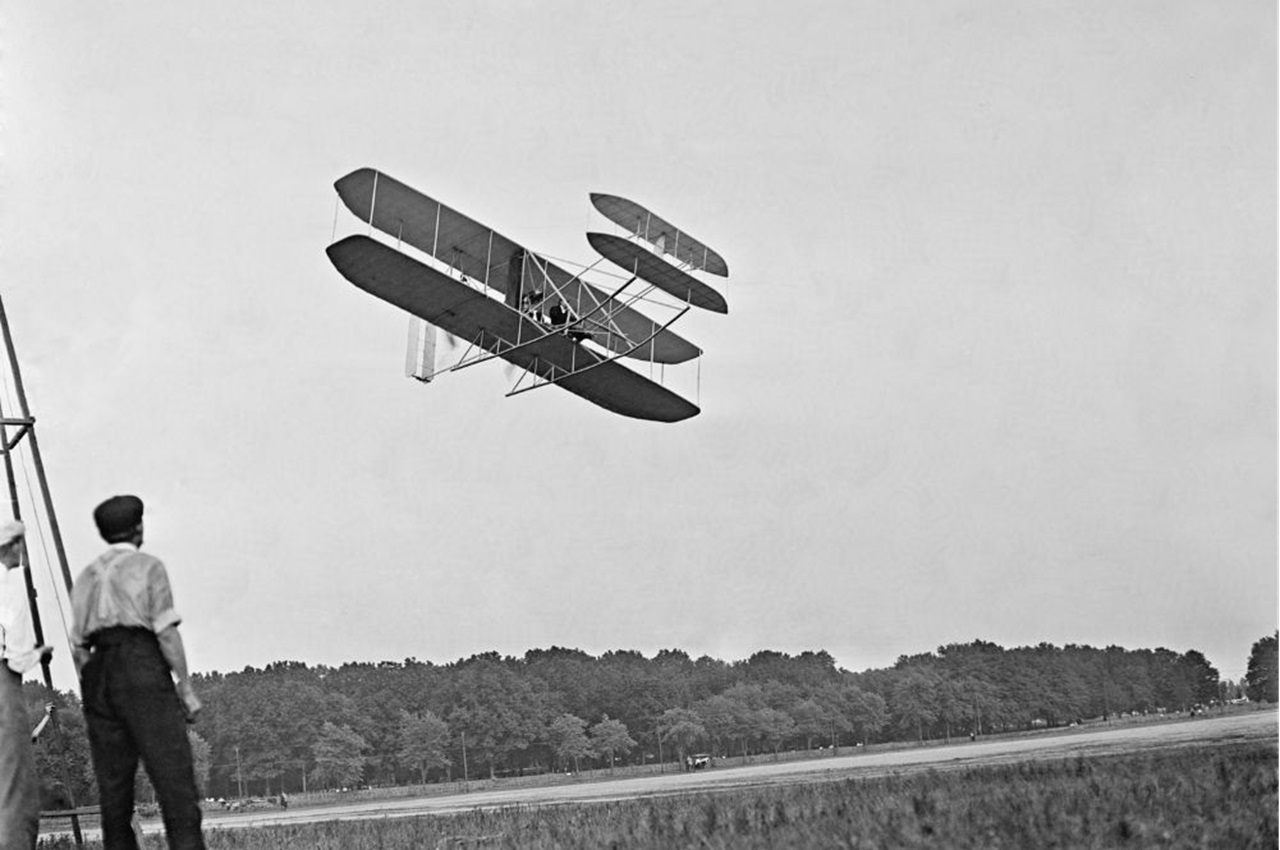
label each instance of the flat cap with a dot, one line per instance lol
(118, 516)
(11, 531)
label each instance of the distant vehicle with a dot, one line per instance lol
(699, 761)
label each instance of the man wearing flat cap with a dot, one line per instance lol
(124, 636)
(19, 782)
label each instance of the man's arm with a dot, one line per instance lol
(174, 653)
(17, 641)
(165, 624)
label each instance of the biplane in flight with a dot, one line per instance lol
(507, 302)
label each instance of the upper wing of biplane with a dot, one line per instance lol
(469, 314)
(660, 233)
(481, 254)
(651, 268)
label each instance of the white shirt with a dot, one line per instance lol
(17, 638)
(123, 587)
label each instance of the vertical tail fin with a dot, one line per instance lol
(420, 357)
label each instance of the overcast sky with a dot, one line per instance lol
(999, 362)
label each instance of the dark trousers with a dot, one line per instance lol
(19, 784)
(132, 711)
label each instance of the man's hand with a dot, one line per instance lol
(46, 652)
(190, 702)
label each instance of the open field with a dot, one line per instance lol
(1217, 790)
(1258, 727)
(1135, 783)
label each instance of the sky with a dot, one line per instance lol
(999, 361)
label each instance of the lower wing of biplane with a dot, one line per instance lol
(550, 355)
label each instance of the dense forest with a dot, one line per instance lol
(292, 727)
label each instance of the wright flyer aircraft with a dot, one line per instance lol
(501, 300)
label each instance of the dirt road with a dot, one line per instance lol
(1257, 726)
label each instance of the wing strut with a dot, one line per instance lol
(554, 380)
(519, 344)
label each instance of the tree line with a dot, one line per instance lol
(293, 727)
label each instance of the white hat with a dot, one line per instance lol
(11, 531)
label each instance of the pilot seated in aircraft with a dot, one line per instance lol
(561, 317)
(558, 314)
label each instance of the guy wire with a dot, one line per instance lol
(44, 547)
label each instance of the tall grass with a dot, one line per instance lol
(1188, 797)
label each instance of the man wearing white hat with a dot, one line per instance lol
(19, 784)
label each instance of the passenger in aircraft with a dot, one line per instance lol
(533, 305)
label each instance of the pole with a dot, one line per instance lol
(35, 449)
(239, 775)
(465, 776)
(27, 429)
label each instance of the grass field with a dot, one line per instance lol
(1192, 797)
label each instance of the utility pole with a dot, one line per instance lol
(465, 776)
(239, 775)
(26, 425)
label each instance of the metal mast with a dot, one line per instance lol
(26, 429)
